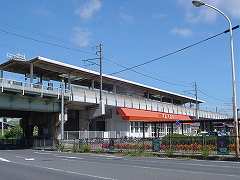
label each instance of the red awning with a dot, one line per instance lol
(150, 116)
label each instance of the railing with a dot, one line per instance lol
(83, 94)
(71, 135)
(25, 87)
(185, 145)
(68, 135)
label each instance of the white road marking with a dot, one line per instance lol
(4, 160)
(29, 159)
(68, 157)
(181, 163)
(42, 153)
(65, 171)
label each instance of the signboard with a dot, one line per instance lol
(178, 123)
(223, 145)
(156, 144)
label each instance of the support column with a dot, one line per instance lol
(155, 130)
(1, 74)
(31, 73)
(143, 129)
(171, 128)
(69, 82)
(92, 84)
(41, 79)
(62, 111)
(182, 129)
(114, 89)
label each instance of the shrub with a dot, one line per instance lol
(60, 147)
(85, 148)
(99, 150)
(169, 152)
(205, 152)
(15, 132)
(75, 148)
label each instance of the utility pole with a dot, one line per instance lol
(62, 110)
(2, 127)
(196, 99)
(99, 57)
(100, 54)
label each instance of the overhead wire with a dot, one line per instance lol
(174, 52)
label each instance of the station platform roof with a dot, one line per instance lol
(56, 70)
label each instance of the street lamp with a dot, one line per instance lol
(234, 87)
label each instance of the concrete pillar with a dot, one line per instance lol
(92, 84)
(69, 81)
(1, 74)
(31, 73)
(182, 129)
(143, 129)
(171, 128)
(114, 89)
(165, 128)
(41, 79)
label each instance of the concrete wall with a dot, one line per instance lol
(24, 103)
(116, 123)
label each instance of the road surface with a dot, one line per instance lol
(43, 165)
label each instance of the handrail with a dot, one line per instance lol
(25, 86)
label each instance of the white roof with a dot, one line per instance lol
(112, 77)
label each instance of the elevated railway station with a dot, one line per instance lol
(131, 109)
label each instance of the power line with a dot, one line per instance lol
(86, 52)
(151, 76)
(44, 42)
(210, 96)
(174, 52)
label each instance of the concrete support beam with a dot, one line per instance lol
(31, 73)
(1, 74)
(114, 89)
(92, 84)
(69, 81)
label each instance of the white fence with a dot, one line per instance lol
(25, 87)
(84, 94)
(69, 135)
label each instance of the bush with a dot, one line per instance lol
(169, 152)
(99, 150)
(60, 147)
(75, 148)
(205, 152)
(85, 148)
(15, 132)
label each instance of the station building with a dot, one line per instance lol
(131, 109)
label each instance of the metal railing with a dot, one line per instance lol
(84, 94)
(24, 87)
(192, 145)
(70, 135)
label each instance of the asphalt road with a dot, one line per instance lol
(42, 165)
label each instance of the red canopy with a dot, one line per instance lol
(150, 116)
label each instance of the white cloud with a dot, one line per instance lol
(87, 10)
(183, 32)
(81, 37)
(193, 14)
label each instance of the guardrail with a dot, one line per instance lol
(83, 94)
(25, 87)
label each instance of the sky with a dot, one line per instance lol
(131, 32)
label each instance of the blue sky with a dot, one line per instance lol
(132, 32)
